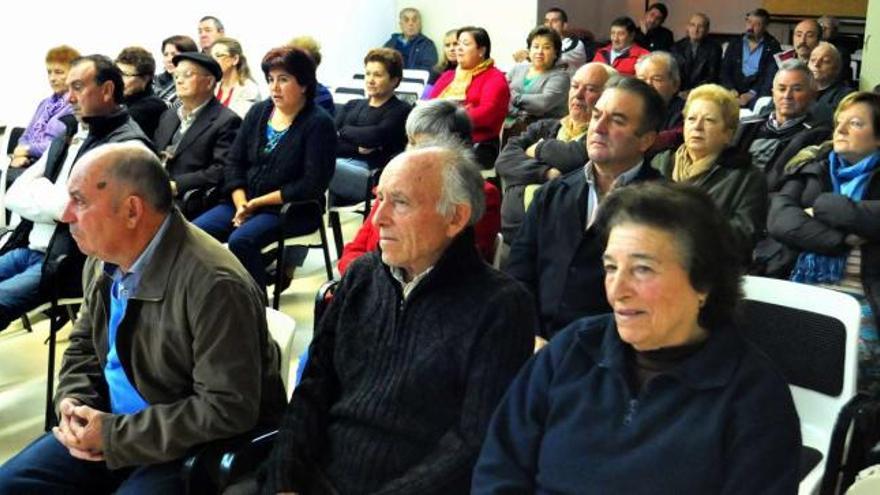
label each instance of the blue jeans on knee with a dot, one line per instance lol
(20, 272)
(246, 241)
(349, 183)
(45, 466)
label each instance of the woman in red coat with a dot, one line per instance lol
(481, 88)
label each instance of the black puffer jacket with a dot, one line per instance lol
(834, 216)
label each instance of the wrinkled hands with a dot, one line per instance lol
(79, 429)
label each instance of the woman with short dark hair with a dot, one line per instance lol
(284, 152)
(137, 66)
(539, 87)
(661, 396)
(480, 88)
(827, 215)
(371, 130)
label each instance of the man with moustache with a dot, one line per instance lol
(95, 89)
(549, 148)
(558, 252)
(749, 67)
(805, 38)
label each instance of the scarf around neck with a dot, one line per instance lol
(850, 180)
(686, 168)
(569, 130)
(463, 78)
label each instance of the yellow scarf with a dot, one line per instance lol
(686, 168)
(463, 77)
(571, 130)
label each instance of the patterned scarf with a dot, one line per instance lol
(686, 168)
(850, 181)
(463, 77)
(569, 130)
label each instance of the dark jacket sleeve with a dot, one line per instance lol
(522, 263)
(856, 217)
(767, 70)
(509, 458)
(729, 67)
(427, 58)
(345, 147)
(514, 166)
(212, 174)
(789, 224)
(713, 71)
(319, 159)
(749, 210)
(564, 156)
(504, 345)
(238, 160)
(81, 376)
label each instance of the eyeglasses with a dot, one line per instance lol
(126, 74)
(186, 74)
(221, 55)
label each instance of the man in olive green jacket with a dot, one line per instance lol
(171, 348)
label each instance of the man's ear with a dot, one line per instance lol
(134, 210)
(461, 214)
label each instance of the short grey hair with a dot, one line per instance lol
(662, 57)
(797, 65)
(610, 71)
(462, 181)
(438, 119)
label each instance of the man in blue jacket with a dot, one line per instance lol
(417, 49)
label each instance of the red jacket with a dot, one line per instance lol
(626, 63)
(367, 238)
(486, 101)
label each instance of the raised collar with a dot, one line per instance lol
(712, 366)
(101, 125)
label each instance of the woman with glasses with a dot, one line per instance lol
(138, 66)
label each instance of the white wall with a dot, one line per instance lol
(345, 28)
(507, 21)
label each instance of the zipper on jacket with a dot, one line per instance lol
(631, 408)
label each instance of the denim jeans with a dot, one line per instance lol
(349, 183)
(20, 272)
(246, 241)
(45, 466)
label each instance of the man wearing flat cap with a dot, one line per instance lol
(193, 140)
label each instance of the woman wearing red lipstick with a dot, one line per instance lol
(661, 396)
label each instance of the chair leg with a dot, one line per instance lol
(54, 327)
(336, 226)
(26, 323)
(325, 248)
(279, 274)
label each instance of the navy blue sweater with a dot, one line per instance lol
(722, 421)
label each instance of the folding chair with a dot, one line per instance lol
(811, 334)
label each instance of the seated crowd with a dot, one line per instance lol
(637, 181)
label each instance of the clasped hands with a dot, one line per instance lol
(244, 211)
(79, 429)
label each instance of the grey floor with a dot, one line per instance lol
(23, 355)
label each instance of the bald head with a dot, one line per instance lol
(428, 195)
(587, 85)
(825, 64)
(119, 196)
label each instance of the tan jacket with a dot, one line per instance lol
(193, 342)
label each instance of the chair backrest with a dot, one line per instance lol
(282, 329)
(14, 136)
(416, 74)
(500, 251)
(811, 334)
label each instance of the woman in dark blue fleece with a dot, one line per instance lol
(663, 395)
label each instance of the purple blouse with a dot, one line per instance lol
(46, 124)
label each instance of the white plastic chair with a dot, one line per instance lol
(811, 334)
(282, 328)
(419, 74)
